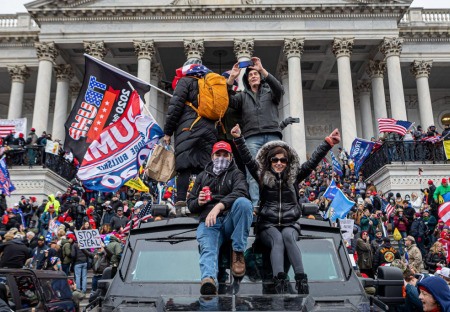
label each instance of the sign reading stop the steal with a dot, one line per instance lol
(88, 239)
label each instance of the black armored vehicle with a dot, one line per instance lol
(159, 271)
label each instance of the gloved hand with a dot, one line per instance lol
(334, 138)
(286, 122)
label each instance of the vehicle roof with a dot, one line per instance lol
(37, 273)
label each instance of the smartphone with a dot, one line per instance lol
(246, 64)
(296, 120)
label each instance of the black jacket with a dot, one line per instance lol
(432, 259)
(78, 255)
(417, 228)
(225, 188)
(117, 223)
(279, 196)
(193, 147)
(385, 254)
(260, 111)
(15, 254)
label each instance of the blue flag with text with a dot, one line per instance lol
(339, 207)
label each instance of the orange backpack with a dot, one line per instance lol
(212, 98)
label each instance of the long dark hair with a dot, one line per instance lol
(267, 165)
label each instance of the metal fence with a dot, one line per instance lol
(35, 156)
(403, 152)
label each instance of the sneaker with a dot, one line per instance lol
(238, 264)
(208, 287)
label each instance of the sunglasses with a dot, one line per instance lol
(275, 160)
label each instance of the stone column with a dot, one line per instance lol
(74, 92)
(421, 71)
(363, 88)
(358, 118)
(96, 49)
(47, 53)
(293, 49)
(376, 70)
(391, 48)
(63, 74)
(155, 104)
(19, 74)
(342, 49)
(243, 49)
(194, 48)
(145, 51)
(284, 75)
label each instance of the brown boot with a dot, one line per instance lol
(238, 265)
(208, 287)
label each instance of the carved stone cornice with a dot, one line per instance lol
(429, 34)
(194, 48)
(421, 68)
(363, 86)
(144, 49)
(63, 72)
(46, 51)
(243, 48)
(19, 73)
(293, 47)
(376, 69)
(391, 46)
(75, 89)
(342, 46)
(96, 49)
(21, 40)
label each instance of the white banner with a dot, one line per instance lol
(17, 125)
(88, 239)
(347, 228)
(52, 147)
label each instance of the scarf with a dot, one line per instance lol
(220, 164)
(195, 70)
(91, 218)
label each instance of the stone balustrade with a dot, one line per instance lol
(19, 22)
(428, 16)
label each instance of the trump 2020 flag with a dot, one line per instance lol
(339, 207)
(103, 99)
(336, 167)
(118, 152)
(5, 180)
(444, 213)
(331, 191)
(359, 152)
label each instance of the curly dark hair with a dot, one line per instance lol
(267, 165)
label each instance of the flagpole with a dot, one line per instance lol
(145, 106)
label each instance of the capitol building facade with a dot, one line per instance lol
(343, 63)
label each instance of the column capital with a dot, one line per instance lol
(391, 46)
(19, 73)
(144, 49)
(75, 88)
(293, 47)
(376, 69)
(243, 47)
(421, 68)
(96, 49)
(363, 86)
(342, 46)
(63, 72)
(194, 48)
(46, 51)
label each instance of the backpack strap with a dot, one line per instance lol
(196, 120)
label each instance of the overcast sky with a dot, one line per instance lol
(14, 6)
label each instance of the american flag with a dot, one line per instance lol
(432, 139)
(392, 125)
(6, 129)
(389, 210)
(143, 215)
(194, 70)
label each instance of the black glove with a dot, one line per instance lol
(287, 121)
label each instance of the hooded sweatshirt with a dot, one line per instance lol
(15, 254)
(438, 288)
(54, 202)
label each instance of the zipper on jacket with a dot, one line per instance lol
(279, 213)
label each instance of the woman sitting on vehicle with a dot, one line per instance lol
(278, 172)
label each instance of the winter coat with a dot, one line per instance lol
(365, 226)
(15, 254)
(100, 259)
(433, 259)
(430, 199)
(279, 193)
(106, 219)
(116, 204)
(225, 188)
(360, 187)
(430, 222)
(417, 228)
(412, 301)
(385, 254)
(259, 112)
(401, 223)
(409, 213)
(77, 297)
(416, 204)
(116, 249)
(54, 202)
(193, 147)
(441, 190)
(39, 257)
(13, 222)
(118, 222)
(414, 257)
(66, 251)
(364, 252)
(438, 288)
(77, 255)
(46, 217)
(375, 244)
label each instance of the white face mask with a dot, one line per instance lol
(220, 164)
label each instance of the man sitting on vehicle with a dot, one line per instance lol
(225, 214)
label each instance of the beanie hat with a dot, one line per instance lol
(417, 214)
(54, 260)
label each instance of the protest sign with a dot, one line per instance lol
(347, 228)
(88, 239)
(52, 147)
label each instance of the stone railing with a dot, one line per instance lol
(19, 22)
(427, 16)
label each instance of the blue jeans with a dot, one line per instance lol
(254, 143)
(409, 150)
(66, 268)
(235, 225)
(95, 280)
(81, 276)
(400, 242)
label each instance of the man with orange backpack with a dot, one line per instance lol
(200, 99)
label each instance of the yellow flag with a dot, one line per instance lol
(137, 184)
(447, 148)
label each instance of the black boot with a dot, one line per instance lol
(301, 283)
(281, 283)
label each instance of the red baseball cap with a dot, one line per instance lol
(221, 145)
(444, 180)
(430, 182)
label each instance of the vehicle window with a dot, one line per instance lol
(56, 289)
(5, 291)
(159, 261)
(27, 291)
